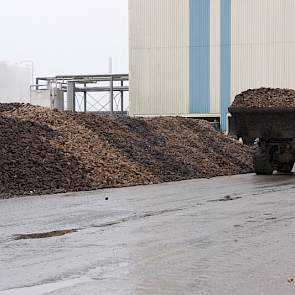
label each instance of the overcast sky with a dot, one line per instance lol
(65, 36)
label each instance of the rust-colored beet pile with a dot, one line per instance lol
(266, 98)
(45, 151)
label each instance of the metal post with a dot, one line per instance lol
(122, 98)
(71, 96)
(111, 94)
(85, 99)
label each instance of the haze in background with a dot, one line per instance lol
(65, 36)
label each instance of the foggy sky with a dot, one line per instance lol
(65, 36)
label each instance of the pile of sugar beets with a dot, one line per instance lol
(45, 151)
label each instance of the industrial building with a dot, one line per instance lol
(191, 57)
(15, 80)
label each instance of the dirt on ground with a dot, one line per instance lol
(266, 98)
(46, 151)
(57, 233)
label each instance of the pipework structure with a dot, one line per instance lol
(77, 90)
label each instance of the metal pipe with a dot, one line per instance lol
(111, 94)
(89, 76)
(85, 99)
(122, 97)
(116, 77)
(102, 89)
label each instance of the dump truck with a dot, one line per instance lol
(272, 131)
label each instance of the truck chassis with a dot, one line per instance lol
(272, 131)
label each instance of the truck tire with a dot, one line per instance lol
(286, 167)
(262, 164)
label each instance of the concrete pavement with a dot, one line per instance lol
(227, 235)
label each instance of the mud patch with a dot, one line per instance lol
(226, 199)
(46, 235)
(229, 198)
(271, 218)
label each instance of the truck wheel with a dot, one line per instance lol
(262, 164)
(286, 167)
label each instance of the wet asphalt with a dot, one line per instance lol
(227, 235)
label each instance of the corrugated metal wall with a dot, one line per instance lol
(191, 57)
(225, 59)
(159, 57)
(263, 44)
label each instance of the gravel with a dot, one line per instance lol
(46, 151)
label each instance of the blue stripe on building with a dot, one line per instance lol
(225, 58)
(199, 101)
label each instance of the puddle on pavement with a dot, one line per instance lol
(57, 233)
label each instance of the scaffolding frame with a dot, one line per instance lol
(115, 85)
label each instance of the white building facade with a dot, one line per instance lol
(191, 57)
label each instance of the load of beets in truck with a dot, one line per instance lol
(265, 98)
(265, 117)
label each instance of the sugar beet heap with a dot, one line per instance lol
(47, 151)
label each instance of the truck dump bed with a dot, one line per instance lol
(267, 123)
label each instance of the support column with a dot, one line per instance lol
(122, 97)
(111, 95)
(85, 99)
(71, 96)
(37, 83)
